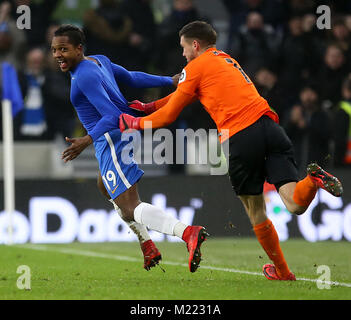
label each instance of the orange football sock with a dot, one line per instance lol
(268, 238)
(305, 192)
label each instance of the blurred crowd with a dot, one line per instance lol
(304, 72)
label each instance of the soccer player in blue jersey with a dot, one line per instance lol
(98, 102)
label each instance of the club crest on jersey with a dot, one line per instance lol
(182, 76)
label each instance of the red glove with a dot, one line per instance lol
(127, 122)
(147, 108)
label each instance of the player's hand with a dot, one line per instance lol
(76, 147)
(128, 122)
(147, 108)
(175, 79)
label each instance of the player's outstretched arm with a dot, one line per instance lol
(153, 106)
(139, 79)
(160, 118)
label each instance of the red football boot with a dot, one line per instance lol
(270, 273)
(324, 180)
(151, 254)
(194, 236)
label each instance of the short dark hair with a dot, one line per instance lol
(75, 34)
(201, 31)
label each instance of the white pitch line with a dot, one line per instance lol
(131, 259)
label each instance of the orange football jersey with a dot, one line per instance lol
(223, 88)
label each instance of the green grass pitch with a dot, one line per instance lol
(230, 270)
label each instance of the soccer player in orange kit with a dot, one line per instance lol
(259, 148)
